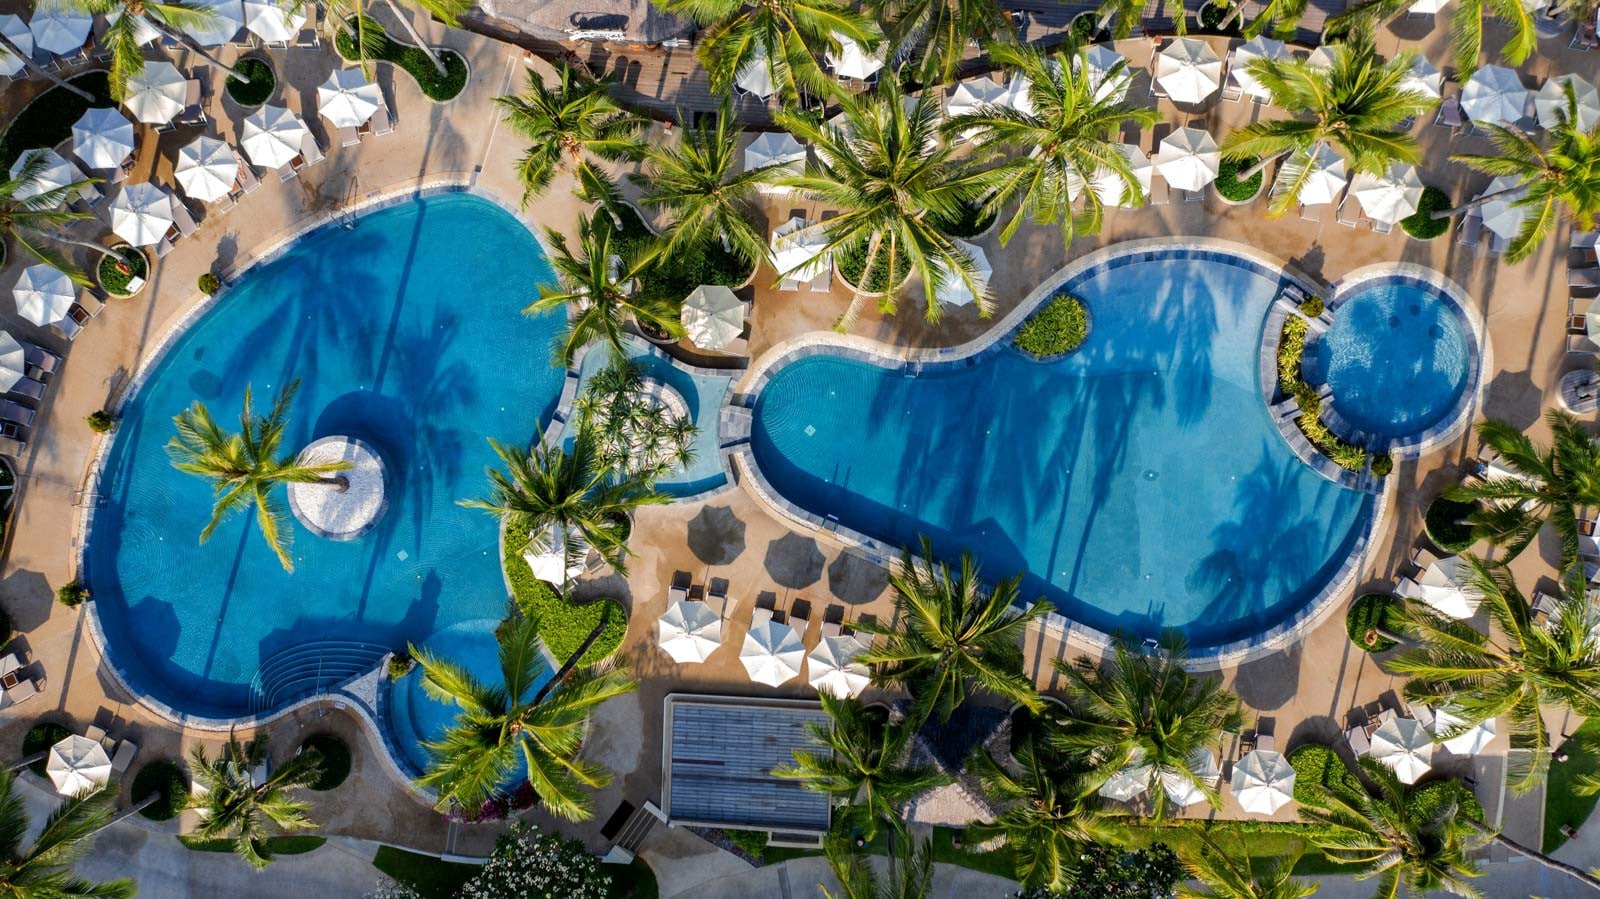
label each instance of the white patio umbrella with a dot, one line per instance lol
(1183, 791)
(1101, 59)
(1469, 742)
(1019, 94)
(1256, 48)
(775, 148)
(56, 173)
(954, 292)
(13, 362)
(1552, 100)
(713, 316)
(1326, 179)
(1263, 782)
(1427, 7)
(347, 99)
(1446, 585)
(1188, 159)
(1320, 58)
(102, 137)
(834, 669)
(272, 136)
(78, 764)
(206, 169)
(156, 95)
(772, 653)
(755, 76)
(1188, 70)
(1129, 781)
(1499, 215)
(1389, 198)
(270, 21)
(1494, 94)
(43, 294)
(1423, 78)
(227, 17)
(548, 555)
(141, 214)
(144, 31)
(972, 95)
(17, 34)
(689, 632)
(58, 29)
(797, 250)
(1405, 747)
(853, 60)
(1110, 187)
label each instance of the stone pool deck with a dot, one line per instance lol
(1305, 690)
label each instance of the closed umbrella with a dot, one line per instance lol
(1188, 70)
(17, 35)
(141, 214)
(1256, 48)
(206, 169)
(1184, 792)
(1447, 586)
(953, 290)
(55, 174)
(834, 670)
(1129, 781)
(58, 29)
(1112, 190)
(1471, 741)
(1326, 178)
(13, 362)
(689, 632)
(271, 21)
(347, 99)
(554, 555)
(755, 76)
(1403, 746)
(156, 95)
(1500, 215)
(102, 137)
(44, 294)
(1188, 159)
(1551, 101)
(77, 765)
(772, 653)
(272, 136)
(1423, 78)
(227, 17)
(1494, 94)
(798, 250)
(1263, 782)
(1101, 59)
(712, 316)
(853, 60)
(1391, 197)
(972, 95)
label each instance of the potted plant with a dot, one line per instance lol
(851, 263)
(123, 270)
(259, 89)
(1231, 188)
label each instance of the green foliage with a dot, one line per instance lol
(209, 284)
(432, 877)
(1382, 465)
(1312, 307)
(1291, 351)
(1318, 766)
(399, 664)
(72, 593)
(40, 737)
(563, 625)
(753, 842)
(1104, 872)
(527, 863)
(416, 63)
(1060, 327)
(1082, 29)
(1428, 799)
(100, 421)
(166, 777)
(1564, 803)
(1421, 224)
(260, 87)
(1446, 523)
(1229, 185)
(119, 267)
(47, 121)
(335, 766)
(852, 260)
(974, 219)
(1211, 15)
(1372, 611)
(295, 845)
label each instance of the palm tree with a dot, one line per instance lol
(568, 124)
(500, 727)
(233, 806)
(1357, 106)
(1049, 814)
(1467, 23)
(1526, 666)
(603, 283)
(1144, 709)
(1280, 17)
(786, 36)
(44, 870)
(130, 24)
(937, 32)
(1552, 484)
(635, 435)
(551, 487)
(1233, 873)
(29, 220)
(1060, 146)
(1561, 182)
(35, 70)
(882, 166)
(347, 12)
(1128, 13)
(699, 183)
(862, 765)
(244, 467)
(910, 877)
(954, 634)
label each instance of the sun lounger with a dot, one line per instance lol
(247, 178)
(832, 628)
(28, 387)
(1469, 230)
(183, 218)
(382, 121)
(1584, 240)
(1267, 742)
(126, 750)
(1351, 220)
(1498, 242)
(311, 150)
(1357, 738)
(1583, 278)
(95, 732)
(69, 328)
(40, 358)
(290, 169)
(1449, 113)
(677, 594)
(349, 137)
(1543, 605)
(165, 246)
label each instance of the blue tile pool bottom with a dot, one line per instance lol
(1139, 483)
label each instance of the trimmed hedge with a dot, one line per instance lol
(259, 89)
(1229, 185)
(1421, 224)
(1445, 524)
(1058, 328)
(40, 737)
(1426, 800)
(335, 761)
(436, 87)
(48, 120)
(562, 625)
(1369, 611)
(1314, 765)
(114, 279)
(169, 779)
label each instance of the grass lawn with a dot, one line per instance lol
(295, 845)
(433, 877)
(1561, 803)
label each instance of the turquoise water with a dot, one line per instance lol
(407, 333)
(1398, 358)
(1139, 482)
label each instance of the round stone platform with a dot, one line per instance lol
(341, 514)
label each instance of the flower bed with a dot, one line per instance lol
(436, 87)
(114, 279)
(1291, 350)
(1057, 329)
(258, 89)
(1421, 224)
(563, 625)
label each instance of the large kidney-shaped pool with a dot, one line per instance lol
(1140, 482)
(407, 333)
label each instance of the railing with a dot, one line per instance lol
(310, 668)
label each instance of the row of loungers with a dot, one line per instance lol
(16, 419)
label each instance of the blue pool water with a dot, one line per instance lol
(407, 333)
(1398, 358)
(1139, 482)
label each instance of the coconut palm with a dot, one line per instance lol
(130, 24)
(862, 765)
(1467, 23)
(699, 184)
(1144, 709)
(1059, 147)
(1358, 106)
(1128, 13)
(635, 435)
(1552, 184)
(937, 32)
(502, 727)
(603, 284)
(33, 220)
(44, 869)
(910, 877)
(234, 807)
(244, 467)
(786, 36)
(345, 13)
(1231, 872)
(1049, 813)
(1552, 484)
(551, 487)
(35, 70)
(1524, 667)
(1279, 17)
(881, 164)
(953, 635)
(569, 122)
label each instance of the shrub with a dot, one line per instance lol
(975, 218)
(1312, 307)
(752, 842)
(1109, 872)
(1229, 185)
(260, 87)
(210, 284)
(40, 737)
(1370, 613)
(72, 594)
(1291, 351)
(1421, 224)
(1446, 523)
(528, 863)
(119, 267)
(1083, 29)
(563, 625)
(1211, 16)
(1426, 801)
(1315, 764)
(1382, 465)
(167, 778)
(400, 663)
(673, 278)
(335, 760)
(1060, 327)
(853, 262)
(47, 121)
(100, 421)
(416, 63)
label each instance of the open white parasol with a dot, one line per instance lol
(1185, 792)
(58, 28)
(1256, 48)
(1263, 782)
(713, 316)
(17, 35)
(347, 99)
(141, 214)
(1188, 70)
(156, 95)
(13, 361)
(55, 174)
(1326, 178)
(1112, 190)
(1389, 198)
(1494, 94)
(1129, 781)
(225, 19)
(102, 137)
(798, 250)
(1471, 741)
(689, 631)
(77, 765)
(206, 169)
(772, 653)
(952, 290)
(44, 294)
(1403, 746)
(554, 555)
(1551, 101)
(271, 21)
(1189, 159)
(272, 136)
(834, 669)
(1446, 585)
(853, 60)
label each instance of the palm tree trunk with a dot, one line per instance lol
(102, 249)
(570, 663)
(1258, 167)
(28, 64)
(405, 22)
(194, 45)
(1524, 851)
(136, 808)
(1446, 213)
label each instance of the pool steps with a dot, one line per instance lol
(307, 669)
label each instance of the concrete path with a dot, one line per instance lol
(804, 878)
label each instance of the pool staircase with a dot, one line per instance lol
(310, 668)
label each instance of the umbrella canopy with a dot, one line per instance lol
(227, 17)
(1188, 70)
(548, 552)
(775, 148)
(755, 76)
(17, 34)
(713, 316)
(1423, 78)
(1188, 159)
(772, 653)
(43, 294)
(797, 250)
(270, 21)
(689, 631)
(1129, 781)
(78, 764)
(833, 669)
(102, 137)
(1427, 7)
(1389, 198)
(1551, 101)
(973, 95)
(1263, 782)
(206, 169)
(1256, 48)
(1019, 94)
(1494, 94)
(58, 29)
(1405, 747)
(1183, 791)
(347, 99)
(1446, 585)
(1499, 214)
(954, 292)
(1469, 742)
(854, 61)
(13, 362)
(1110, 187)
(1101, 59)
(56, 173)
(272, 136)
(141, 214)
(1326, 180)
(1320, 58)
(156, 95)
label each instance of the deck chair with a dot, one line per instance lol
(383, 121)
(40, 358)
(1356, 736)
(248, 181)
(183, 218)
(349, 137)
(1449, 115)
(126, 750)
(1349, 220)
(30, 388)
(1232, 91)
(1469, 230)
(310, 150)
(69, 327)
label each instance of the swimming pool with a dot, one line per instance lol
(406, 332)
(1139, 482)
